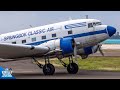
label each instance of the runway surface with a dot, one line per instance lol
(62, 74)
(25, 69)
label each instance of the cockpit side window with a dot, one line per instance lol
(94, 24)
(97, 23)
(90, 25)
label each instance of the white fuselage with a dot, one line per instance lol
(78, 29)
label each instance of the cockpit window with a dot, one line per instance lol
(90, 25)
(97, 23)
(94, 24)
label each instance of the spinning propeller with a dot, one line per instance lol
(100, 50)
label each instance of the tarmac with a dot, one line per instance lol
(62, 74)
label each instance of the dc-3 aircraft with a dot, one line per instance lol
(64, 39)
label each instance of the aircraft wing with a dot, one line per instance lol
(11, 51)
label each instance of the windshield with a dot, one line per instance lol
(94, 24)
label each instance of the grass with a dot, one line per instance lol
(94, 63)
(100, 63)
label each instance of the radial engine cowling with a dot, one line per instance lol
(87, 50)
(64, 44)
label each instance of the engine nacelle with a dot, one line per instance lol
(87, 50)
(64, 44)
(67, 45)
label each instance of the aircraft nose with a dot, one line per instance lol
(111, 30)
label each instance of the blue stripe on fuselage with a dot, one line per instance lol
(74, 36)
(88, 34)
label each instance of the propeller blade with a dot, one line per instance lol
(100, 50)
(75, 52)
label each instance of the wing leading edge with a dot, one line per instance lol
(11, 51)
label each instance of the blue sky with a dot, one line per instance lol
(18, 20)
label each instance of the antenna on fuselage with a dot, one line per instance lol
(86, 16)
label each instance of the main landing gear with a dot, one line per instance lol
(49, 69)
(72, 67)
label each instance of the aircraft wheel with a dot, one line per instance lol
(48, 69)
(72, 68)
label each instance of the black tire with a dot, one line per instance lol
(72, 68)
(48, 69)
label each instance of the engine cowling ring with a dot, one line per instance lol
(67, 45)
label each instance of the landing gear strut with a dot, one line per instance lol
(72, 67)
(39, 64)
(48, 69)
